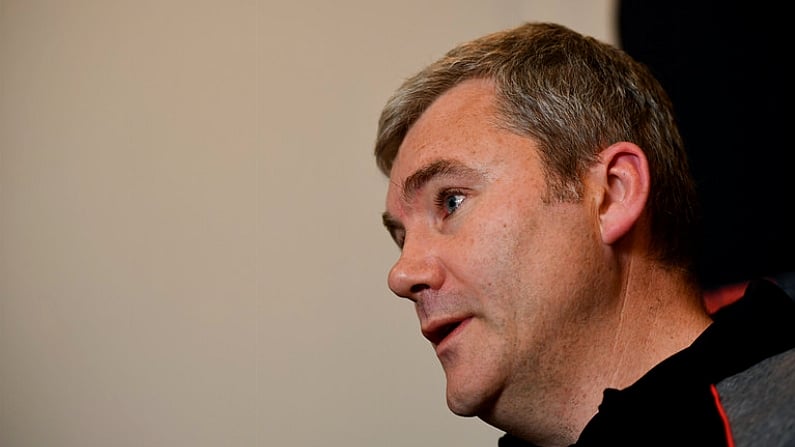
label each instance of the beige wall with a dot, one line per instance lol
(190, 241)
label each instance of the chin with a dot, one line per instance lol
(468, 403)
(473, 385)
(461, 410)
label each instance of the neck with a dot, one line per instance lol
(662, 313)
(653, 314)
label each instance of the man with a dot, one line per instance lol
(541, 199)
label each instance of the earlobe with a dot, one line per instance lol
(624, 174)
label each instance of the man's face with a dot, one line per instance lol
(502, 280)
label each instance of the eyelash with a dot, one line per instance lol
(443, 195)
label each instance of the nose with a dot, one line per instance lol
(417, 269)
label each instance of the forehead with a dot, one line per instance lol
(463, 113)
(463, 126)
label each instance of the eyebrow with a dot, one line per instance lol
(421, 177)
(435, 169)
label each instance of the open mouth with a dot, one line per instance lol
(439, 333)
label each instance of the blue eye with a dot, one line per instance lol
(450, 201)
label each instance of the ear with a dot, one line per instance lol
(622, 179)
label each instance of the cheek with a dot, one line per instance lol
(491, 246)
(533, 252)
(496, 256)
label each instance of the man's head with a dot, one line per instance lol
(530, 171)
(574, 96)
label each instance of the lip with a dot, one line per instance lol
(443, 330)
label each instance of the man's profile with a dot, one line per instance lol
(542, 202)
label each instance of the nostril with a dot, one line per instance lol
(417, 288)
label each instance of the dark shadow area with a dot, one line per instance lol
(727, 69)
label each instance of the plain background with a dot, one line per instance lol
(191, 251)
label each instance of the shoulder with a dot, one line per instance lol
(759, 402)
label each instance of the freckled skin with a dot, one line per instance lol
(539, 286)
